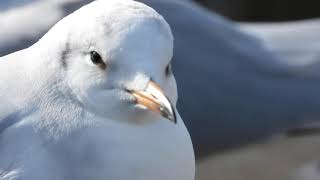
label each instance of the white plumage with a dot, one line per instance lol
(63, 116)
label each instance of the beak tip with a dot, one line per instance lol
(175, 121)
(170, 116)
(174, 117)
(154, 99)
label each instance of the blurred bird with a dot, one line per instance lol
(95, 98)
(295, 43)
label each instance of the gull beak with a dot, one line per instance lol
(154, 99)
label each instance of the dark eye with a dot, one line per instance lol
(168, 70)
(96, 59)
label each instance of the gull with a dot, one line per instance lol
(95, 98)
(256, 80)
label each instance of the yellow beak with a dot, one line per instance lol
(154, 99)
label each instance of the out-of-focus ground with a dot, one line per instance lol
(280, 158)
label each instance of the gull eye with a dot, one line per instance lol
(168, 70)
(96, 59)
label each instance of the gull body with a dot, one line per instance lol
(68, 114)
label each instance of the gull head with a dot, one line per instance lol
(115, 57)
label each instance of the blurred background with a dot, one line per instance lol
(271, 10)
(248, 74)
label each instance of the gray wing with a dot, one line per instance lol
(13, 139)
(8, 120)
(297, 43)
(20, 147)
